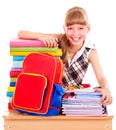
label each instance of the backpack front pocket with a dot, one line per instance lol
(29, 92)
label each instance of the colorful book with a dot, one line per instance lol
(33, 49)
(16, 42)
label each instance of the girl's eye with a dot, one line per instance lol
(69, 28)
(81, 28)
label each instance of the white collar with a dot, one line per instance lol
(88, 44)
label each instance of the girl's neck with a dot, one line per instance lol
(76, 48)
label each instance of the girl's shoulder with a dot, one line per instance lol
(89, 44)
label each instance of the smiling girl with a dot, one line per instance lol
(78, 51)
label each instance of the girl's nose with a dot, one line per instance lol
(75, 31)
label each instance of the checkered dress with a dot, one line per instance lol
(75, 72)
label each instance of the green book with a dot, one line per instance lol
(33, 49)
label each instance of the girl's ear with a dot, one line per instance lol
(64, 28)
(88, 27)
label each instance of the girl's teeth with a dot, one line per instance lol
(75, 39)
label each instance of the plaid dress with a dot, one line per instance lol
(76, 68)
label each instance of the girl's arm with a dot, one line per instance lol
(106, 95)
(50, 40)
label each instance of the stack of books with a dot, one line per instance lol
(19, 49)
(83, 102)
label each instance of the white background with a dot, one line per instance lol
(47, 16)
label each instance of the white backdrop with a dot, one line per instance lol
(47, 16)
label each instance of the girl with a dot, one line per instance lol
(78, 51)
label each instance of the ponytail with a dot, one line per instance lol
(64, 45)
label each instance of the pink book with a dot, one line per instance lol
(16, 42)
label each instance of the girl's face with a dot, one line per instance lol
(76, 33)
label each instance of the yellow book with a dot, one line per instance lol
(11, 89)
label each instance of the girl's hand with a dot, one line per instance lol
(106, 95)
(50, 41)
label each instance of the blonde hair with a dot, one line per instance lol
(75, 15)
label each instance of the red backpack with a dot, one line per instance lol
(39, 88)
